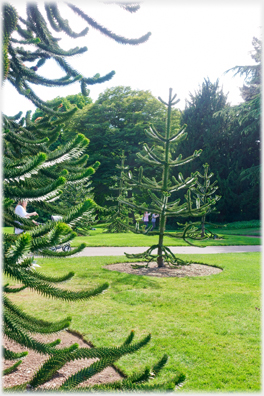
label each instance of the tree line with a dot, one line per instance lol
(228, 135)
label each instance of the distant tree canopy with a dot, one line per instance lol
(116, 122)
(63, 104)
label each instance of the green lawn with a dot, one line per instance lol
(98, 237)
(241, 231)
(209, 326)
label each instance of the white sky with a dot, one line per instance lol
(190, 41)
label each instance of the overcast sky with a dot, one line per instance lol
(190, 41)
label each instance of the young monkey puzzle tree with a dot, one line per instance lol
(203, 191)
(163, 190)
(120, 212)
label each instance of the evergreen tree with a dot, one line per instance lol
(204, 192)
(214, 126)
(35, 31)
(74, 193)
(250, 110)
(24, 179)
(241, 184)
(120, 214)
(205, 130)
(248, 114)
(36, 169)
(209, 132)
(161, 191)
(65, 162)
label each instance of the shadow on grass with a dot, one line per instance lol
(132, 280)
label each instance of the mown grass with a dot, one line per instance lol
(209, 326)
(238, 231)
(99, 238)
(227, 237)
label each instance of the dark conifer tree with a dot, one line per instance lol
(205, 130)
(244, 121)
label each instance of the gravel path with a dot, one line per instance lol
(119, 251)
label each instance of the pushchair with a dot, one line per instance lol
(65, 247)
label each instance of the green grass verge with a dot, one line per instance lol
(99, 238)
(209, 326)
(237, 231)
(244, 224)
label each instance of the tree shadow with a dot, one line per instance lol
(138, 281)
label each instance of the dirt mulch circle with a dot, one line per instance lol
(153, 270)
(33, 361)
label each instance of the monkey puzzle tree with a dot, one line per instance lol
(34, 31)
(119, 212)
(203, 194)
(161, 191)
(30, 177)
(37, 169)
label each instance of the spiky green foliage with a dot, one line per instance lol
(36, 178)
(40, 171)
(38, 168)
(205, 192)
(161, 191)
(119, 217)
(10, 17)
(19, 264)
(32, 171)
(35, 31)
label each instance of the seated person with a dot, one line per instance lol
(20, 210)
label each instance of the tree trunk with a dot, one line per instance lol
(165, 178)
(162, 224)
(203, 227)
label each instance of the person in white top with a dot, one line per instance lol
(20, 210)
(146, 218)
